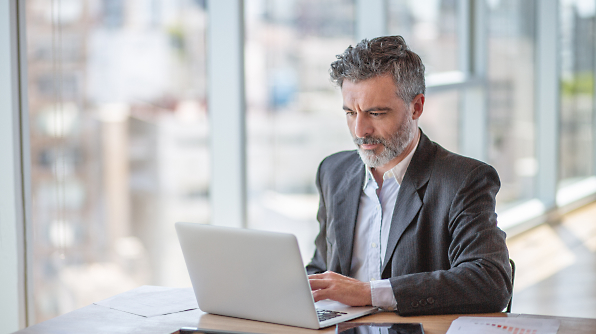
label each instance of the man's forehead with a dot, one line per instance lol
(378, 86)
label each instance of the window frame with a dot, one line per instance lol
(14, 171)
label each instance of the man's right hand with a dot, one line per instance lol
(347, 290)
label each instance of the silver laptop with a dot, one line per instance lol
(255, 275)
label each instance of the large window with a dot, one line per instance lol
(294, 115)
(430, 29)
(510, 94)
(577, 91)
(441, 117)
(119, 136)
(119, 145)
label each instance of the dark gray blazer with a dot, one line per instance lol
(445, 253)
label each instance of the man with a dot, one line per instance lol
(404, 223)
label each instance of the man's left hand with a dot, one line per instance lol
(347, 290)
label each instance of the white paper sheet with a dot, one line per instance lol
(503, 325)
(150, 301)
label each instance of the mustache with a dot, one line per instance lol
(369, 141)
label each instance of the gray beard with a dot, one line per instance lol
(393, 147)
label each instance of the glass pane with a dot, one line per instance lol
(511, 45)
(440, 119)
(118, 142)
(430, 29)
(577, 90)
(294, 116)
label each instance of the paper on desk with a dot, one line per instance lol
(149, 301)
(497, 325)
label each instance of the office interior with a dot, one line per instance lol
(120, 118)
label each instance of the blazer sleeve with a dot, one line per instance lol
(479, 277)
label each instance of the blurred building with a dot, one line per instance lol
(118, 144)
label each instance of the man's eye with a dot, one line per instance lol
(375, 114)
(350, 113)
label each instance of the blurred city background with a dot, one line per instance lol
(119, 123)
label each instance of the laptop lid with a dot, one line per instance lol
(251, 274)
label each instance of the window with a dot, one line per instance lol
(510, 92)
(294, 115)
(440, 119)
(577, 91)
(430, 29)
(119, 136)
(119, 145)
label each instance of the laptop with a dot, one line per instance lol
(255, 275)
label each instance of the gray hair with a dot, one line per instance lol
(379, 56)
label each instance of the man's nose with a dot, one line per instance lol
(362, 127)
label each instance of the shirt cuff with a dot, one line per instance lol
(382, 294)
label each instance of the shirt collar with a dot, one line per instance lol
(397, 172)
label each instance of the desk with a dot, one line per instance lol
(99, 319)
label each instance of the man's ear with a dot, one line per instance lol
(417, 106)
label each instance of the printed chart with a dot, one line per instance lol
(503, 325)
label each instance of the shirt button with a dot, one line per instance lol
(430, 300)
(372, 279)
(414, 304)
(373, 245)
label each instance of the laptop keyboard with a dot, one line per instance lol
(328, 314)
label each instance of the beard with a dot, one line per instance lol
(392, 147)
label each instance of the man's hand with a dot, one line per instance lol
(347, 290)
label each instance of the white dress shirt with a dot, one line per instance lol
(372, 231)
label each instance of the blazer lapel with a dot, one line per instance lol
(346, 205)
(408, 201)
